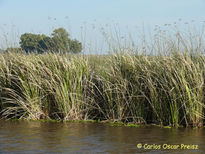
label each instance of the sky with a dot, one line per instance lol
(80, 17)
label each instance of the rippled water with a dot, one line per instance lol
(49, 137)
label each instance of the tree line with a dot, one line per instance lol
(58, 42)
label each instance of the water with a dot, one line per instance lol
(49, 137)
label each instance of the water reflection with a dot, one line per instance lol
(48, 137)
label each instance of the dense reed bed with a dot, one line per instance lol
(165, 90)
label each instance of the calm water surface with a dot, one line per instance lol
(49, 137)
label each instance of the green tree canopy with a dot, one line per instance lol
(58, 42)
(46, 44)
(30, 42)
(75, 46)
(61, 39)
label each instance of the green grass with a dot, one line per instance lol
(124, 88)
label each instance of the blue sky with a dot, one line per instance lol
(42, 16)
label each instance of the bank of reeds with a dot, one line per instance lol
(165, 90)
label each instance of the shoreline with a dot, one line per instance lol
(106, 122)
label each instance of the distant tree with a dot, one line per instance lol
(75, 46)
(61, 39)
(30, 42)
(58, 42)
(16, 50)
(46, 44)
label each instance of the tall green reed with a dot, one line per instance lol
(162, 83)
